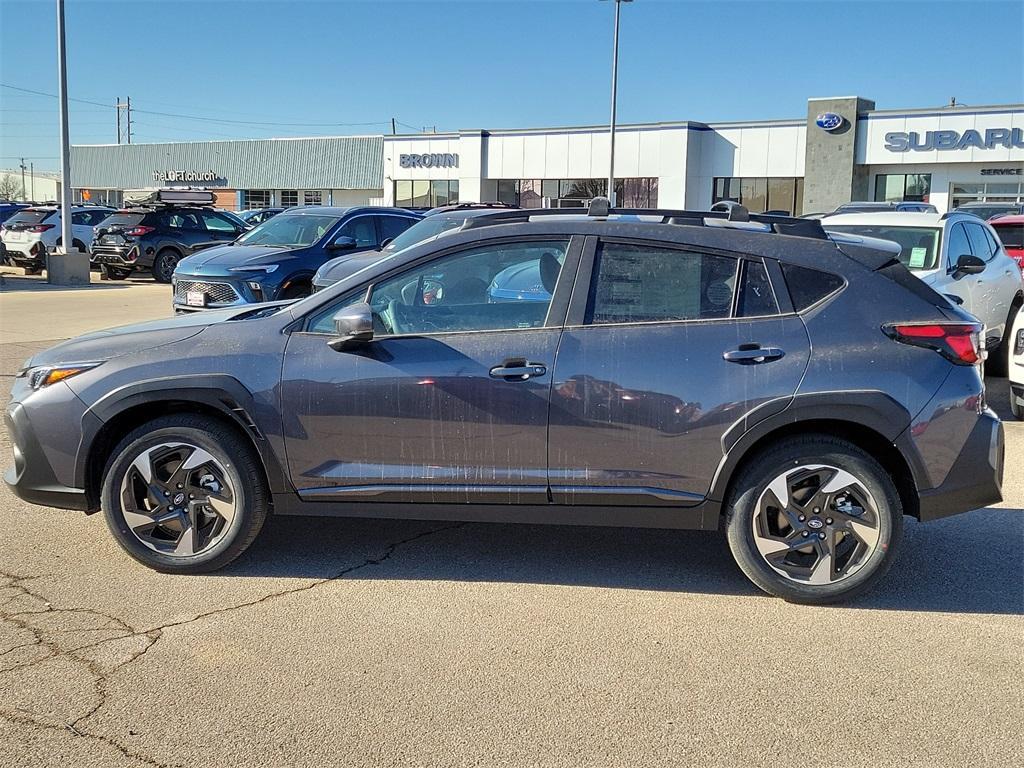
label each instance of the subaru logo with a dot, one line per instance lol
(814, 523)
(179, 498)
(830, 121)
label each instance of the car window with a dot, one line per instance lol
(290, 230)
(809, 286)
(919, 246)
(30, 216)
(80, 217)
(392, 226)
(361, 229)
(1011, 235)
(756, 296)
(640, 284)
(980, 244)
(959, 245)
(216, 223)
(181, 220)
(505, 286)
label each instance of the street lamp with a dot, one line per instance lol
(615, 83)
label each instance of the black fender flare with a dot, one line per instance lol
(223, 393)
(870, 409)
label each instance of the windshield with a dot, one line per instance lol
(28, 216)
(1012, 235)
(425, 229)
(290, 231)
(919, 246)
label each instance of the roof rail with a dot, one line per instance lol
(735, 217)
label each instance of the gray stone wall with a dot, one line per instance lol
(830, 174)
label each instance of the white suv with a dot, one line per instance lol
(30, 233)
(1017, 368)
(957, 254)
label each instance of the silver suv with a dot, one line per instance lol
(958, 255)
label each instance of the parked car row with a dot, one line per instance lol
(836, 393)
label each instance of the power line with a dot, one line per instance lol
(204, 119)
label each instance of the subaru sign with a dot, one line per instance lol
(899, 141)
(830, 121)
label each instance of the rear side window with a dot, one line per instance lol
(124, 219)
(756, 296)
(809, 286)
(392, 226)
(641, 284)
(980, 244)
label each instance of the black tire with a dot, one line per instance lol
(1015, 407)
(115, 273)
(998, 363)
(242, 469)
(296, 291)
(33, 270)
(789, 454)
(164, 264)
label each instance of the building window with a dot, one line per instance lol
(423, 193)
(288, 198)
(897, 187)
(255, 198)
(570, 193)
(996, 192)
(312, 197)
(761, 194)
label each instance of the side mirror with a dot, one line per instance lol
(342, 243)
(968, 265)
(352, 326)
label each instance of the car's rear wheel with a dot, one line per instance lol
(164, 264)
(115, 273)
(1015, 406)
(814, 520)
(184, 494)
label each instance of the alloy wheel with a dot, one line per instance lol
(816, 524)
(177, 499)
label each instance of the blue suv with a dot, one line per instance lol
(277, 259)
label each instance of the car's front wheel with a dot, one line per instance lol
(184, 494)
(164, 264)
(814, 520)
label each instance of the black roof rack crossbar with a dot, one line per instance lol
(782, 225)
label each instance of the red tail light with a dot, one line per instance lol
(139, 231)
(37, 228)
(960, 343)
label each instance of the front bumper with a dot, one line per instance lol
(221, 292)
(32, 478)
(976, 478)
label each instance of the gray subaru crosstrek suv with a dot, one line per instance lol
(665, 369)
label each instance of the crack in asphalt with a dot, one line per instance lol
(153, 635)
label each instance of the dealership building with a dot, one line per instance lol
(842, 149)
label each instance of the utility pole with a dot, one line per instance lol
(32, 178)
(128, 116)
(118, 110)
(23, 196)
(393, 131)
(615, 84)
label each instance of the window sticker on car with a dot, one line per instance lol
(917, 257)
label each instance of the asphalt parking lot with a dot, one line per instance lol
(368, 643)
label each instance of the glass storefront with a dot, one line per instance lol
(759, 194)
(426, 193)
(900, 187)
(986, 192)
(571, 193)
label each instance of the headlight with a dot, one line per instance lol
(45, 375)
(265, 268)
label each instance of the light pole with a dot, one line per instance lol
(615, 84)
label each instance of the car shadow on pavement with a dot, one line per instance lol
(966, 564)
(11, 283)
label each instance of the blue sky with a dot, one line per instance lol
(308, 68)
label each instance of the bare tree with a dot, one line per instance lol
(10, 187)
